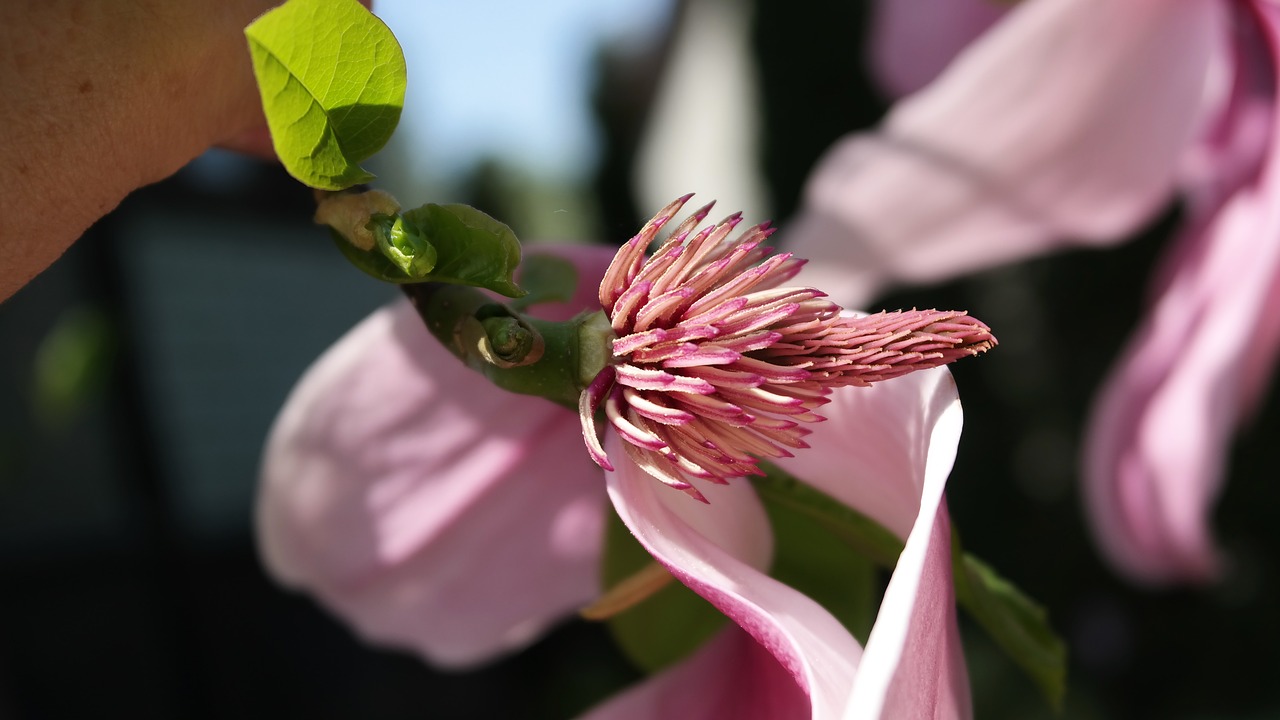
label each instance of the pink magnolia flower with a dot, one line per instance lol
(1072, 122)
(443, 515)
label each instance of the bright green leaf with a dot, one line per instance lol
(332, 80)
(403, 244)
(372, 262)
(471, 247)
(667, 626)
(454, 244)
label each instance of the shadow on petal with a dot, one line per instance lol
(433, 511)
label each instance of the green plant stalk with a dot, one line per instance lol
(516, 352)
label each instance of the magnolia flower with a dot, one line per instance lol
(1072, 122)
(440, 514)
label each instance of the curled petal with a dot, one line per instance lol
(424, 505)
(914, 664)
(887, 453)
(1065, 122)
(1158, 438)
(721, 550)
(1157, 441)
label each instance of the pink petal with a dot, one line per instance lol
(430, 509)
(886, 452)
(1233, 146)
(720, 550)
(914, 665)
(730, 677)
(1064, 123)
(1158, 439)
(911, 41)
(1232, 150)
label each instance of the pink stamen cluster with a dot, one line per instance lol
(715, 365)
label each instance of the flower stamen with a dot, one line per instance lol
(716, 364)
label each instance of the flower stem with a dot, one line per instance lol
(518, 353)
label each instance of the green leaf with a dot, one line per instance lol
(332, 80)
(809, 557)
(372, 262)
(547, 278)
(403, 244)
(454, 244)
(471, 247)
(856, 530)
(1015, 622)
(667, 626)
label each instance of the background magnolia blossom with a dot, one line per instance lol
(1072, 122)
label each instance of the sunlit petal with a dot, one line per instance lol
(1064, 123)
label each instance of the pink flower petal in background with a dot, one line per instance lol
(911, 41)
(1158, 439)
(1065, 122)
(429, 508)
(913, 662)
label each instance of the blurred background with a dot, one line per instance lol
(139, 376)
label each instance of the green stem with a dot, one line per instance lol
(518, 353)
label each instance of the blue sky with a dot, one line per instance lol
(506, 77)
